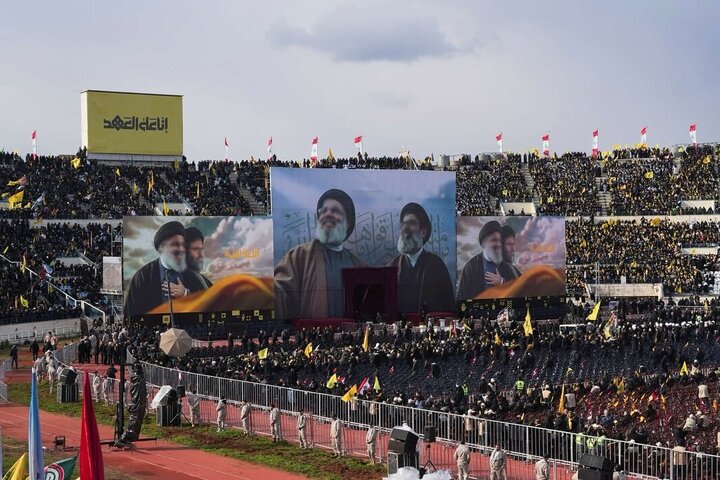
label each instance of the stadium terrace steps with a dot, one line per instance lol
(530, 182)
(604, 197)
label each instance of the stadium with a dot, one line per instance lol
(505, 312)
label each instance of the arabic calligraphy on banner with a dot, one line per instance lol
(132, 123)
(147, 124)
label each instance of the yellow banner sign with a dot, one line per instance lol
(132, 123)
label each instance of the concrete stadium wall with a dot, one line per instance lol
(20, 332)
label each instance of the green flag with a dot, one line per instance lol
(61, 470)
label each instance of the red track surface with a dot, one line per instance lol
(149, 460)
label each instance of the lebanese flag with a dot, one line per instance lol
(33, 136)
(314, 150)
(364, 386)
(498, 139)
(643, 136)
(693, 133)
(269, 147)
(595, 150)
(546, 144)
(358, 144)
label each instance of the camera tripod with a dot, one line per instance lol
(428, 462)
(180, 415)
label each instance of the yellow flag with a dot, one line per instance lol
(707, 159)
(561, 406)
(527, 326)
(649, 175)
(550, 200)
(308, 350)
(350, 394)
(377, 386)
(75, 162)
(621, 387)
(117, 171)
(16, 200)
(166, 210)
(24, 302)
(366, 340)
(19, 470)
(497, 339)
(594, 314)
(262, 354)
(23, 264)
(330, 154)
(331, 381)
(6, 250)
(684, 369)
(134, 188)
(151, 183)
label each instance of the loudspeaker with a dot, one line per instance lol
(430, 432)
(165, 396)
(596, 462)
(168, 415)
(68, 393)
(590, 474)
(67, 376)
(180, 391)
(402, 441)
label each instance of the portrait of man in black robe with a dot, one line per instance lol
(423, 277)
(149, 285)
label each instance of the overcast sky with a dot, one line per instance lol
(435, 77)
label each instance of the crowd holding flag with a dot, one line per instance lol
(314, 150)
(498, 139)
(359, 144)
(366, 340)
(263, 354)
(332, 381)
(308, 349)
(350, 394)
(595, 149)
(693, 133)
(527, 326)
(546, 145)
(643, 136)
(595, 311)
(33, 136)
(75, 162)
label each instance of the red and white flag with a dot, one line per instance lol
(226, 149)
(546, 144)
(595, 150)
(498, 138)
(643, 136)
(358, 144)
(693, 133)
(314, 150)
(269, 148)
(364, 386)
(34, 143)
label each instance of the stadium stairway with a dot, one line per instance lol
(530, 182)
(257, 209)
(142, 197)
(604, 197)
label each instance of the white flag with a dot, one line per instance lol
(693, 134)
(643, 136)
(358, 144)
(498, 138)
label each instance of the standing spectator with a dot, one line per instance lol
(275, 423)
(111, 372)
(107, 389)
(462, 457)
(497, 464)
(14, 357)
(194, 404)
(221, 410)
(245, 417)
(335, 436)
(96, 384)
(35, 349)
(301, 423)
(542, 469)
(370, 441)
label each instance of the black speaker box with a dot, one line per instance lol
(590, 474)
(596, 462)
(168, 416)
(67, 376)
(430, 433)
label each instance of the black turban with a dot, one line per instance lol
(168, 230)
(347, 204)
(422, 216)
(493, 226)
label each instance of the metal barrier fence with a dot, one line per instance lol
(523, 444)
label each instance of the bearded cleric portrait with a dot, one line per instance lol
(308, 279)
(423, 279)
(149, 285)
